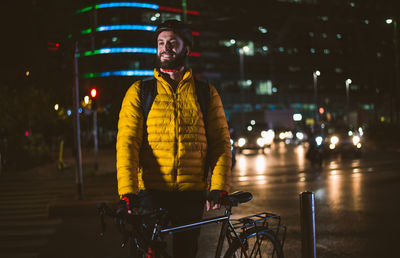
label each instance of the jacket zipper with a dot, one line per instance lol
(175, 169)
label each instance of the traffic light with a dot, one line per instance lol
(93, 94)
(53, 46)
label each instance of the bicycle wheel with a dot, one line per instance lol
(260, 243)
(134, 251)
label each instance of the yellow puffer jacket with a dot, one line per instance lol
(176, 158)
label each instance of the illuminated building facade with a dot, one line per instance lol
(263, 63)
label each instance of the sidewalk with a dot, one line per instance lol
(78, 234)
(98, 185)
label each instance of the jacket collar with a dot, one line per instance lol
(186, 76)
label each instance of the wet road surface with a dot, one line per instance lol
(357, 201)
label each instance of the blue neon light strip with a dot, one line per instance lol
(112, 50)
(127, 4)
(121, 73)
(116, 50)
(127, 27)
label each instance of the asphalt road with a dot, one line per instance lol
(357, 206)
(357, 200)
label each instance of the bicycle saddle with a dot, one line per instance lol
(239, 197)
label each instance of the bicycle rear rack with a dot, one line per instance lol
(270, 221)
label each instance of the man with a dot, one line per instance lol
(161, 163)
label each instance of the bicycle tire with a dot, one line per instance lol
(260, 243)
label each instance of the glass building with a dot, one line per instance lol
(281, 55)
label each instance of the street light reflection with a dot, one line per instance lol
(260, 164)
(334, 193)
(261, 178)
(243, 178)
(333, 165)
(356, 187)
(300, 157)
(242, 164)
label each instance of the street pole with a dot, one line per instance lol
(95, 140)
(315, 79)
(348, 82)
(241, 63)
(78, 175)
(396, 71)
(184, 8)
(395, 89)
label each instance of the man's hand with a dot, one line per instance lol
(128, 202)
(214, 199)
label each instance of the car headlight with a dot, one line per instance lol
(356, 139)
(268, 136)
(241, 142)
(260, 142)
(319, 140)
(300, 136)
(334, 140)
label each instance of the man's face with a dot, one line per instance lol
(171, 50)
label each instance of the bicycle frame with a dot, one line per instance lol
(226, 223)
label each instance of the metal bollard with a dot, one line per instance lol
(307, 220)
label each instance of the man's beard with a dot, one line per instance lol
(174, 63)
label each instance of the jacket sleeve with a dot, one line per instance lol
(129, 140)
(219, 145)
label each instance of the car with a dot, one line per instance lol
(345, 141)
(255, 137)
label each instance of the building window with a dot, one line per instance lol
(264, 88)
(294, 69)
(338, 70)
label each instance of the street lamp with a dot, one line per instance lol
(315, 77)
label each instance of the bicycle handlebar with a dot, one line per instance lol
(119, 215)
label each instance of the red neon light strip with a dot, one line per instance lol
(195, 33)
(176, 10)
(192, 12)
(194, 54)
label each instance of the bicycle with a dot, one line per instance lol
(258, 235)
